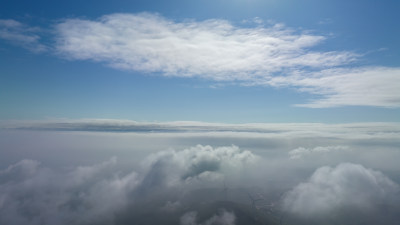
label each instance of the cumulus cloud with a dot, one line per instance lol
(195, 166)
(31, 193)
(222, 218)
(213, 49)
(301, 151)
(21, 34)
(344, 185)
(34, 194)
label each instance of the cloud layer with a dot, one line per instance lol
(34, 194)
(190, 185)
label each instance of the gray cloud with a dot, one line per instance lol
(199, 179)
(346, 185)
(222, 218)
(357, 130)
(195, 167)
(34, 194)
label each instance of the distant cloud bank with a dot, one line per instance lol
(349, 130)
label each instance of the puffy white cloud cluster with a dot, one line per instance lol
(344, 185)
(197, 165)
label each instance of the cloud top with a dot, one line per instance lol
(344, 185)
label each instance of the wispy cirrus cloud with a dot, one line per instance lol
(21, 34)
(213, 49)
(366, 86)
(218, 50)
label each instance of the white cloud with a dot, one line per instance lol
(218, 50)
(301, 151)
(213, 49)
(21, 34)
(335, 87)
(195, 166)
(367, 86)
(345, 185)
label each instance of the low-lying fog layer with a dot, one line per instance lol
(106, 172)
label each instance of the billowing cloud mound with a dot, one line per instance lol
(34, 194)
(345, 185)
(195, 166)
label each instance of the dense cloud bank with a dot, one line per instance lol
(196, 185)
(124, 172)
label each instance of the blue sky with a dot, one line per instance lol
(215, 61)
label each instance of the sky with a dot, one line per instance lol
(212, 61)
(199, 112)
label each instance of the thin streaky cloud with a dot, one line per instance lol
(213, 49)
(21, 34)
(190, 128)
(217, 50)
(365, 86)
